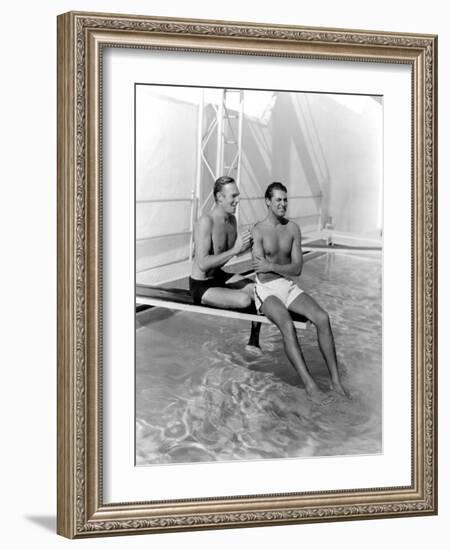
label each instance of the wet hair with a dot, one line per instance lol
(275, 185)
(220, 183)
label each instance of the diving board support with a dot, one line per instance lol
(228, 313)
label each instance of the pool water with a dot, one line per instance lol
(201, 397)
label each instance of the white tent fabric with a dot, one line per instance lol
(166, 150)
(326, 149)
(277, 150)
(350, 130)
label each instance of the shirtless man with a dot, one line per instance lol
(277, 256)
(217, 241)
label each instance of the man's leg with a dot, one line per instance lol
(247, 285)
(307, 306)
(226, 298)
(275, 310)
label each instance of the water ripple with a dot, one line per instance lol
(200, 397)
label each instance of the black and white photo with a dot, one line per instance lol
(258, 274)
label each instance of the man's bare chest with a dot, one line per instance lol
(277, 242)
(223, 237)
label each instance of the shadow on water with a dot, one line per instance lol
(153, 314)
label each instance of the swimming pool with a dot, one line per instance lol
(200, 396)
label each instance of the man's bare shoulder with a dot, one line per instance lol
(258, 227)
(293, 227)
(265, 225)
(205, 220)
(204, 224)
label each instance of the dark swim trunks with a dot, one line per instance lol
(199, 286)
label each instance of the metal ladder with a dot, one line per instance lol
(227, 125)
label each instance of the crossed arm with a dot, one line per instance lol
(262, 265)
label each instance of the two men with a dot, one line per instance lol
(277, 256)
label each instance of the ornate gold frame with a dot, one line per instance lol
(81, 511)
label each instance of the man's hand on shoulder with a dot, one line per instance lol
(256, 231)
(242, 242)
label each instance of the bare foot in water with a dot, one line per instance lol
(340, 390)
(315, 395)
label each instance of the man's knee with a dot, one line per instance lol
(321, 318)
(243, 300)
(287, 327)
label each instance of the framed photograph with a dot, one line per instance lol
(247, 271)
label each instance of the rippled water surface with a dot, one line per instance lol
(200, 396)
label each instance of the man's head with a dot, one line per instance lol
(276, 199)
(226, 194)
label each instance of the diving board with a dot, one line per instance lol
(179, 299)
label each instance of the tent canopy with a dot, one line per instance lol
(326, 149)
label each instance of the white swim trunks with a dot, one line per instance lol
(282, 288)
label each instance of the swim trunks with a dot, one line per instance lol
(282, 288)
(199, 286)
